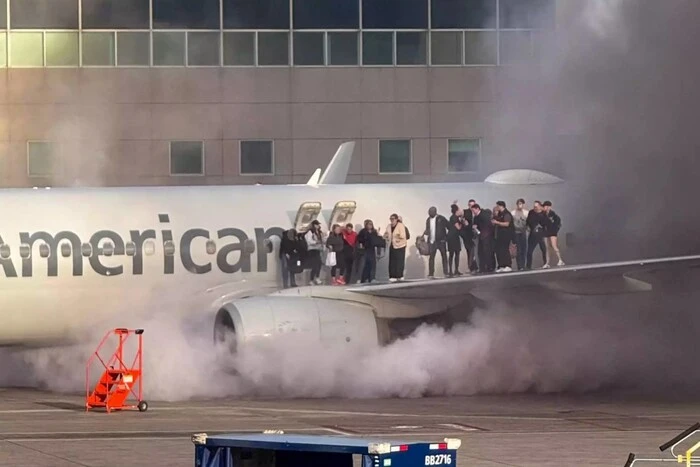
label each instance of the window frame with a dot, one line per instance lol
(116, 46)
(358, 39)
(255, 47)
(78, 32)
(240, 157)
(461, 46)
(202, 156)
(29, 173)
(187, 47)
(324, 32)
(81, 46)
(479, 157)
(410, 156)
(10, 47)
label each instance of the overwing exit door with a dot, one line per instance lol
(307, 213)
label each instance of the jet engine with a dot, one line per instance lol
(328, 321)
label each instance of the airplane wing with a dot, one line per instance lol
(587, 279)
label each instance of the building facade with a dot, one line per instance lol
(163, 92)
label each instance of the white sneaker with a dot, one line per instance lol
(546, 266)
(319, 282)
(507, 269)
(401, 279)
(431, 277)
(392, 279)
(499, 270)
(561, 263)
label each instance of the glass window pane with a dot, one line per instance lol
(168, 48)
(394, 14)
(26, 49)
(446, 48)
(273, 48)
(256, 158)
(342, 48)
(133, 49)
(308, 48)
(410, 48)
(516, 47)
(98, 49)
(3, 49)
(378, 48)
(186, 158)
(395, 156)
(44, 14)
(115, 14)
(3, 14)
(256, 14)
(326, 14)
(40, 158)
(480, 48)
(62, 49)
(463, 14)
(203, 48)
(463, 155)
(527, 14)
(239, 48)
(185, 14)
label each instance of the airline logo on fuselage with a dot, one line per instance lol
(230, 250)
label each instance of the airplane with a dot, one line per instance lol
(74, 260)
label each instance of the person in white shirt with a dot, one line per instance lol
(315, 245)
(436, 235)
(520, 224)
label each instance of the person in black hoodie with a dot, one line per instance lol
(335, 245)
(436, 227)
(505, 233)
(368, 238)
(454, 240)
(290, 258)
(485, 231)
(537, 223)
(552, 231)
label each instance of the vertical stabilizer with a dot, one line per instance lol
(337, 170)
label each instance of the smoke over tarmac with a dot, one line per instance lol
(614, 106)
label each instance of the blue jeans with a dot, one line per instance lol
(521, 246)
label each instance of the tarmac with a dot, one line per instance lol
(46, 429)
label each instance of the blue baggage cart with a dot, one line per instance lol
(290, 450)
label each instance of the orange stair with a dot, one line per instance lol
(118, 381)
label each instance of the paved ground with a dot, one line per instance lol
(44, 429)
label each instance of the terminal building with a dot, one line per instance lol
(168, 92)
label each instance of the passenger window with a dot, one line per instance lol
(65, 250)
(169, 248)
(342, 213)
(5, 251)
(108, 249)
(307, 213)
(86, 250)
(211, 247)
(149, 248)
(24, 251)
(44, 250)
(130, 248)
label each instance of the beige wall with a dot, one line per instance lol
(114, 124)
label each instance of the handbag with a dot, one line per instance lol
(330, 259)
(422, 246)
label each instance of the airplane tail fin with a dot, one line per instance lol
(337, 170)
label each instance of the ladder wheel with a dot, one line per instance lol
(143, 406)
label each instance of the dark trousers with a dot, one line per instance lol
(288, 277)
(348, 260)
(397, 262)
(315, 263)
(487, 258)
(503, 252)
(535, 239)
(454, 259)
(434, 248)
(370, 259)
(521, 247)
(339, 265)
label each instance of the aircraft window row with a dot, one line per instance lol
(25, 49)
(276, 14)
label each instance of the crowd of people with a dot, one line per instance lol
(492, 238)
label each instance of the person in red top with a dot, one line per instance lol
(349, 242)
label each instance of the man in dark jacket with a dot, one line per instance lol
(503, 221)
(436, 227)
(485, 231)
(290, 258)
(537, 223)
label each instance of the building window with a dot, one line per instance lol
(410, 48)
(480, 48)
(446, 48)
(527, 14)
(463, 14)
(342, 48)
(203, 48)
(257, 158)
(40, 157)
(186, 14)
(26, 49)
(186, 158)
(463, 155)
(62, 49)
(3, 14)
(44, 14)
(3, 49)
(168, 48)
(377, 48)
(115, 14)
(325, 14)
(273, 48)
(308, 48)
(98, 49)
(256, 14)
(395, 156)
(239, 48)
(133, 49)
(395, 14)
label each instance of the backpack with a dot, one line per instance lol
(408, 234)
(422, 246)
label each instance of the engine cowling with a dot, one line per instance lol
(322, 320)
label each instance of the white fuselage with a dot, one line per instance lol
(159, 237)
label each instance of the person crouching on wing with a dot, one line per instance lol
(335, 252)
(370, 240)
(349, 242)
(397, 236)
(314, 242)
(551, 232)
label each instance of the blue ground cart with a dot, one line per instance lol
(288, 450)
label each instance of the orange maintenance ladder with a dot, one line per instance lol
(118, 381)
